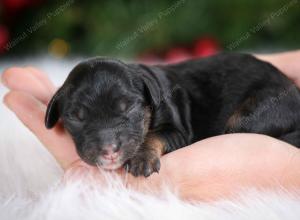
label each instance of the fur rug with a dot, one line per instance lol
(30, 187)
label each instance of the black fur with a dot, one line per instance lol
(106, 101)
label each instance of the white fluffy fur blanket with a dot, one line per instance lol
(30, 189)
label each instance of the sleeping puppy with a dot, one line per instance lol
(128, 115)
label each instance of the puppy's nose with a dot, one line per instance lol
(111, 151)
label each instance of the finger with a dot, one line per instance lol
(43, 77)
(23, 80)
(32, 112)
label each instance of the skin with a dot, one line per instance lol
(214, 168)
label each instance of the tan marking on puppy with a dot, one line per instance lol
(156, 143)
(152, 141)
(233, 120)
(147, 120)
(147, 160)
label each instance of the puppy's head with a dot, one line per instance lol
(105, 106)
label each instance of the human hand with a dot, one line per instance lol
(210, 169)
(30, 92)
(287, 62)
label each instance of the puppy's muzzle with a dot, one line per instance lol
(110, 157)
(111, 152)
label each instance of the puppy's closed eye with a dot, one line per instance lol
(78, 115)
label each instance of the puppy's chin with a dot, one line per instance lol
(114, 166)
(109, 165)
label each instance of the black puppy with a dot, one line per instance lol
(130, 114)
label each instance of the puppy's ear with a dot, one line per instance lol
(152, 90)
(52, 113)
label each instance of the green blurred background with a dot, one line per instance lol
(163, 29)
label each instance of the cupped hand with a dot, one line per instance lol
(209, 169)
(30, 92)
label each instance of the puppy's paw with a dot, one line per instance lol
(144, 163)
